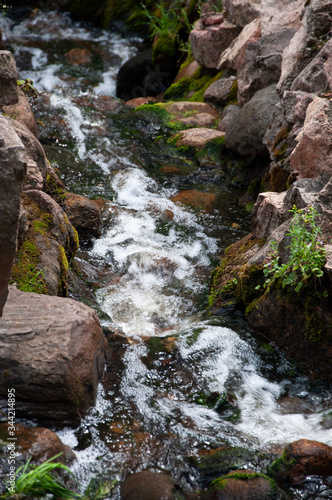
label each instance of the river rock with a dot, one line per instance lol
(22, 112)
(246, 127)
(12, 176)
(76, 57)
(197, 137)
(233, 56)
(147, 485)
(208, 42)
(300, 459)
(317, 76)
(84, 214)
(312, 155)
(262, 63)
(62, 230)
(243, 484)
(52, 351)
(199, 200)
(8, 79)
(39, 444)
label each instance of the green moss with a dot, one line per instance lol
(63, 287)
(233, 278)
(220, 483)
(197, 84)
(26, 271)
(223, 460)
(54, 190)
(232, 96)
(281, 465)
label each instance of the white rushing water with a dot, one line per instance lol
(160, 257)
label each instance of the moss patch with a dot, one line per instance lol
(195, 85)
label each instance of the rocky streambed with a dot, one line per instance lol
(156, 194)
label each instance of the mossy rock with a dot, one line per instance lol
(223, 460)
(233, 278)
(245, 484)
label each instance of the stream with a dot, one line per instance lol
(181, 380)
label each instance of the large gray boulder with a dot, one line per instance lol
(52, 352)
(262, 63)
(246, 126)
(12, 175)
(317, 76)
(8, 78)
(287, 122)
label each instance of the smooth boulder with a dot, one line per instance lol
(52, 352)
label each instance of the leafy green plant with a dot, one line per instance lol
(307, 254)
(163, 25)
(28, 87)
(37, 480)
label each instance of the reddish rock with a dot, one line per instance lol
(301, 459)
(84, 214)
(195, 199)
(181, 107)
(12, 176)
(33, 149)
(268, 213)
(8, 79)
(77, 56)
(313, 154)
(139, 101)
(233, 56)
(39, 444)
(197, 137)
(22, 112)
(52, 352)
(187, 72)
(198, 120)
(208, 43)
(147, 485)
(210, 19)
(242, 485)
(61, 229)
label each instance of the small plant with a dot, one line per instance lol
(163, 25)
(37, 480)
(28, 88)
(307, 255)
